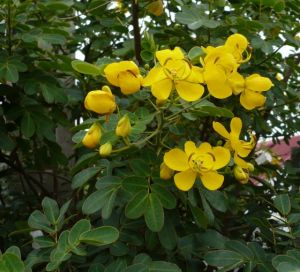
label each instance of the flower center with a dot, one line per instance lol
(201, 162)
(177, 69)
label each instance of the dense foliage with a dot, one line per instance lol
(106, 201)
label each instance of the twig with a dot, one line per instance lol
(136, 31)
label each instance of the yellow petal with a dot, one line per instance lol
(204, 148)
(176, 159)
(162, 89)
(156, 8)
(189, 91)
(196, 75)
(258, 83)
(212, 180)
(177, 69)
(100, 102)
(155, 74)
(164, 55)
(112, 70)
(236, 127)
(250, 100)
(219, 128)
(190, 148)
(184, 181)
(222, 157)
(165, 172)
(237, 82)
(239, 161)
(216, 81)
(129, 83)
(237, 41)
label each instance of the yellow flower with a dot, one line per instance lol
(202, 161)
(123, 128)
(241, 148)
(165, 172)
(156, 7)
(124, 74)
(92, 137)
(174, 72)
(240, 174)
(219, 64)
(237, 45)
(105, 149)
(251, 97)
(100, 101)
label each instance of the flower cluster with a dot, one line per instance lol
(174, 75)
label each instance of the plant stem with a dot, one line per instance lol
(136, 31)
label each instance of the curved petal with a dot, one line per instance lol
(243, 149)
(176, 159)
(190, 148)
(164, 55)
(162, 89)
(212, 180)
(250, 100)
(204, 148)
(219, 128)
(155, 74)
(112, 70)
(189, 91)
(129, 83)
(184, 181)
(100, 102)
(222, 157)
(258, 83)
(196, 75)
(237, 82)
(239, 161)
(236, 127)
(216, 81)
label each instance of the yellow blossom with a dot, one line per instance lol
(92, 137)
(202, 161)
(165, 172)
(237, 45)
(124, 74)
(123, 128)
(174, 72)
(100, 101)
(241, 148)
(240, 174)
(105, 149)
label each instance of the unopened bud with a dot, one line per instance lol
(165, 171)
(240, 175)
(250, 166)
(92, 137)
(123, 128)
(105, 150)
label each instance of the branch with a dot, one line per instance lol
(136, 31)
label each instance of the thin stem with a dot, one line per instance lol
(136, 31)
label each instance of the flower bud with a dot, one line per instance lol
(240, 174)
(123, 128)
(105, 149)
(165, 171)
(100, 101)
(250, 166)
(92, 137)
(279, 76)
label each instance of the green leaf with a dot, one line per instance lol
(140, 167)
(142, 258)
(38, 220)
(195, 53)
(84, 176)
(288, 267)
(51, 209)
(241, 248)
(100, 236)
(14, 250)
(167, 236)
(12, 263)
(154, 215)
(137, 206)
(283, 204)
(119, 249)
(96, 200)
(27, 125)
(221, 258)
(44, 242)
(199, 216)
(147, 55)
(216, 199)
(107, 181)
(53, 38)
(86, 68)
(166, 198)
(161, 266)
(277, 260)
(135, 184)
(80, 227)
(9, 72)
(109, 204)
(293, 218)
(137, 268)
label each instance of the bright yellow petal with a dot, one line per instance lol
(189, 91)
(212, 180)
(237, 41)
(100, 102)
(237, 82)
(204, 148)
(239, 161)
(258, 83)
(216, 81)
(184, 181)
(196, 75)
(190, 148)
(129, 83)
(250, 100)
(162, 89)
(219, 128)
(176, 159)
(155, 74)
(243, 149)
(222, 157)
(164, 55)
(236, 127)
(112, 70)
